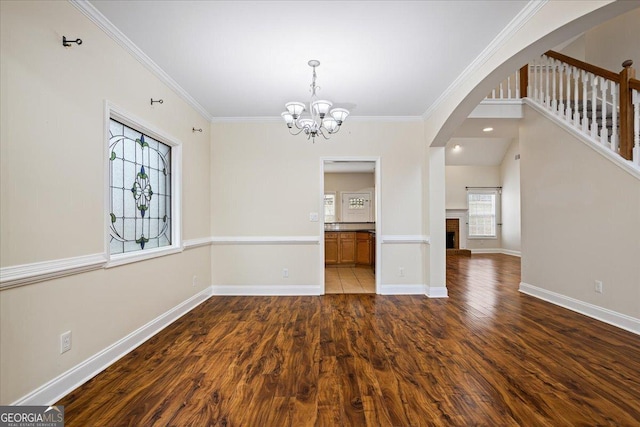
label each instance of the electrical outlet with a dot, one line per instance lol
(194, 281)
(65, 342)
(285, 273)
(401, 271)
(598, 286)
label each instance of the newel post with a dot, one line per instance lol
(626, 110)
(524, 81)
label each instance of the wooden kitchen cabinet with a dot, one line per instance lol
(331, 248)
(363, 248)
(339, 248)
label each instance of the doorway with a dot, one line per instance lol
(351, 218)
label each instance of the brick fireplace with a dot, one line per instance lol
(453, 234)
(453, 231)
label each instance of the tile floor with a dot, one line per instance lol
(349, 280)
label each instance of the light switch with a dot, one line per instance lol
(313, 217)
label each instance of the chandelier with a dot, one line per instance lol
(321, 121)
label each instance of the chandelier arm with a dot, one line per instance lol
(295, 133)
(320, 132)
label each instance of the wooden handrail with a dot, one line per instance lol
(585, 66)
(634, 84)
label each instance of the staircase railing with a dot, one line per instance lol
(597, 102)
(601, 104)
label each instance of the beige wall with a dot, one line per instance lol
(615, 41)
(510, 182)
(265, 182)
(353, 182)
(579, 219)
(460, 177)
(53, 190)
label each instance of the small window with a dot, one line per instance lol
(329, 207)
(142, 191)
(482, 214)
(356, 203)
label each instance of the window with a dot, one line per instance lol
(483, 208)
(143, 206)
(330, 207)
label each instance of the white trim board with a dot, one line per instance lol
(437, 292)
(495, 251)
(196, 243)
(266, 290)
(26, 274)
(54, 390)
(265, 240)
(405, 238)
(605, 315)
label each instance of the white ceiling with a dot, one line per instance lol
(480, 148)
(246, 59)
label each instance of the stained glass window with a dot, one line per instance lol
(140, 190)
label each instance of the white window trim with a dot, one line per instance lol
(497, 193)
(114, 112)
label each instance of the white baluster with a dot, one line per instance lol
(561, 90)
(615, 88)
(636, 127)
(576, 96)
(584, 114)
(604, 132)
(509, 87)
(594, 102)
(518, 83)
(554, 95)
(567, 114)
(547, 98)
(535, 93)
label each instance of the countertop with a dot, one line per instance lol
(351, 226)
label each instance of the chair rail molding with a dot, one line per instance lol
(25, 274)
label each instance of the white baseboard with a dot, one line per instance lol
(510, 252)
(63, 384)
(437, 292)
(266, 290)
(622, 321)
(407, 289)
(486, 251)
(495, 251)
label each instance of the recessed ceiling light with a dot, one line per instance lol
(456, 147)
(489, 129)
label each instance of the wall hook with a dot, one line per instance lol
(67, 43)
(160, 101)
(196, 130)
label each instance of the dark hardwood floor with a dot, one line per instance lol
(487, 355)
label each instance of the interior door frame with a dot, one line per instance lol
(378, 212)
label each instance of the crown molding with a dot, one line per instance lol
(118, 36)
(278, 119)
(507, 32)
